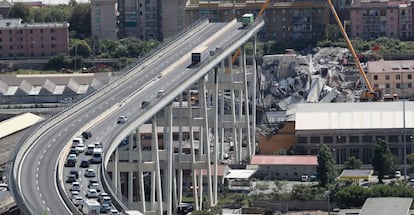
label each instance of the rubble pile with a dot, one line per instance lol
(324, 76)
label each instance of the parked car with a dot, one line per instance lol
(90, 173)
(92, 193)
(86, 134)
(101, 196)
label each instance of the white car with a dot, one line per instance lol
(80, 147)
(78, 200)
(122, 119)
(75, 186)
(92, 193)
(90, 173)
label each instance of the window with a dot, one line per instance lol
(315, 139)
(387, 86)
(387, 77)
(41, 31)
(375, 77)
(397, 77)
(11, 47)
(328, 139)
(409, 76)
(354, 139)
(10, 39)
(367, 139)
(302, 140)
(341, 139)
(379, 137)
(393, 138)
(398, 85)
(409, 85)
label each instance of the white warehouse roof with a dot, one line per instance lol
(368, 115)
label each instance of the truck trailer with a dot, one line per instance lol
(91, 207)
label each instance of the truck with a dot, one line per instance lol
(91, 207)
(195, 58)
(247, 19)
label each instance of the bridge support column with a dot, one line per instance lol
(156, 173)
(141, 183)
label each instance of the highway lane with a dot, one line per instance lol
(37, 180)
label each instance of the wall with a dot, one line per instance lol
(284, 139)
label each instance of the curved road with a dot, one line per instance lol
(36, 175)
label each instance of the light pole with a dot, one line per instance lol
(405, 143)
(328, 193)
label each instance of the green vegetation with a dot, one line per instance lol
(326, 166)
(353, 163)
(383, 160)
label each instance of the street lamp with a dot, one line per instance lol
(405, 143)
(328, 193)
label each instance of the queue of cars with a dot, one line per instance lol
(93, 155)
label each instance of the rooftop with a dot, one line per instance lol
(284, 160)
(386, 206)
(17, 23)
(390, 66)
(366, 115)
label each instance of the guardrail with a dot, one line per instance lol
(204, 68)
(31, 137)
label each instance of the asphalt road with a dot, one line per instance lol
(37, 178)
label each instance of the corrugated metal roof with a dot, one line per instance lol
(18, 123)
(284, 160)
(356, 173)
(240, 173)
(369, 115)
(386, 206)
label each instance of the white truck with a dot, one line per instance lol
(91, 207)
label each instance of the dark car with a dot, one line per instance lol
(84, 163)
(75, 172)
(86, 134)
(71, 178)
(73, 150)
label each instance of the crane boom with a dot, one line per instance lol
(237, 53)
(350, 47)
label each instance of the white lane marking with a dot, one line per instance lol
(37, 175)
(54, 139)
(48, 208)
(37, 169)
(60, 134)
(41, 156)
(43, 201)
(48, 145)
(40, 194)
(37, 181)
(38, 188)
(38, 163)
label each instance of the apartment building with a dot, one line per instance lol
(104, 18)
(19, 39)
(172, 17)
(371, 19)
(284, 20)
(5, 7)
(393, 77)
(139, 18)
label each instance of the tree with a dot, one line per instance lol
(326, 167)
(352, 196)
(20, 10)
(383, 160)
(80, 20)
(353, 163)
(81, 48)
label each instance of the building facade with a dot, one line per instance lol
(381, 19)
(284, 20)
(139, 18)
(19, 40)
(104, 18)
(352, 129)
(172, 15)
(392, 77)
(284, 167)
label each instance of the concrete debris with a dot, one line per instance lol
(321, 75)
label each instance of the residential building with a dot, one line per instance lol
(19, 39)
(172, 15)
(5, 7)
(284, 20)
(139, 18)
(373, 19)
(392, 77)
(284, 167)
(352, 129)
(104, 18)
